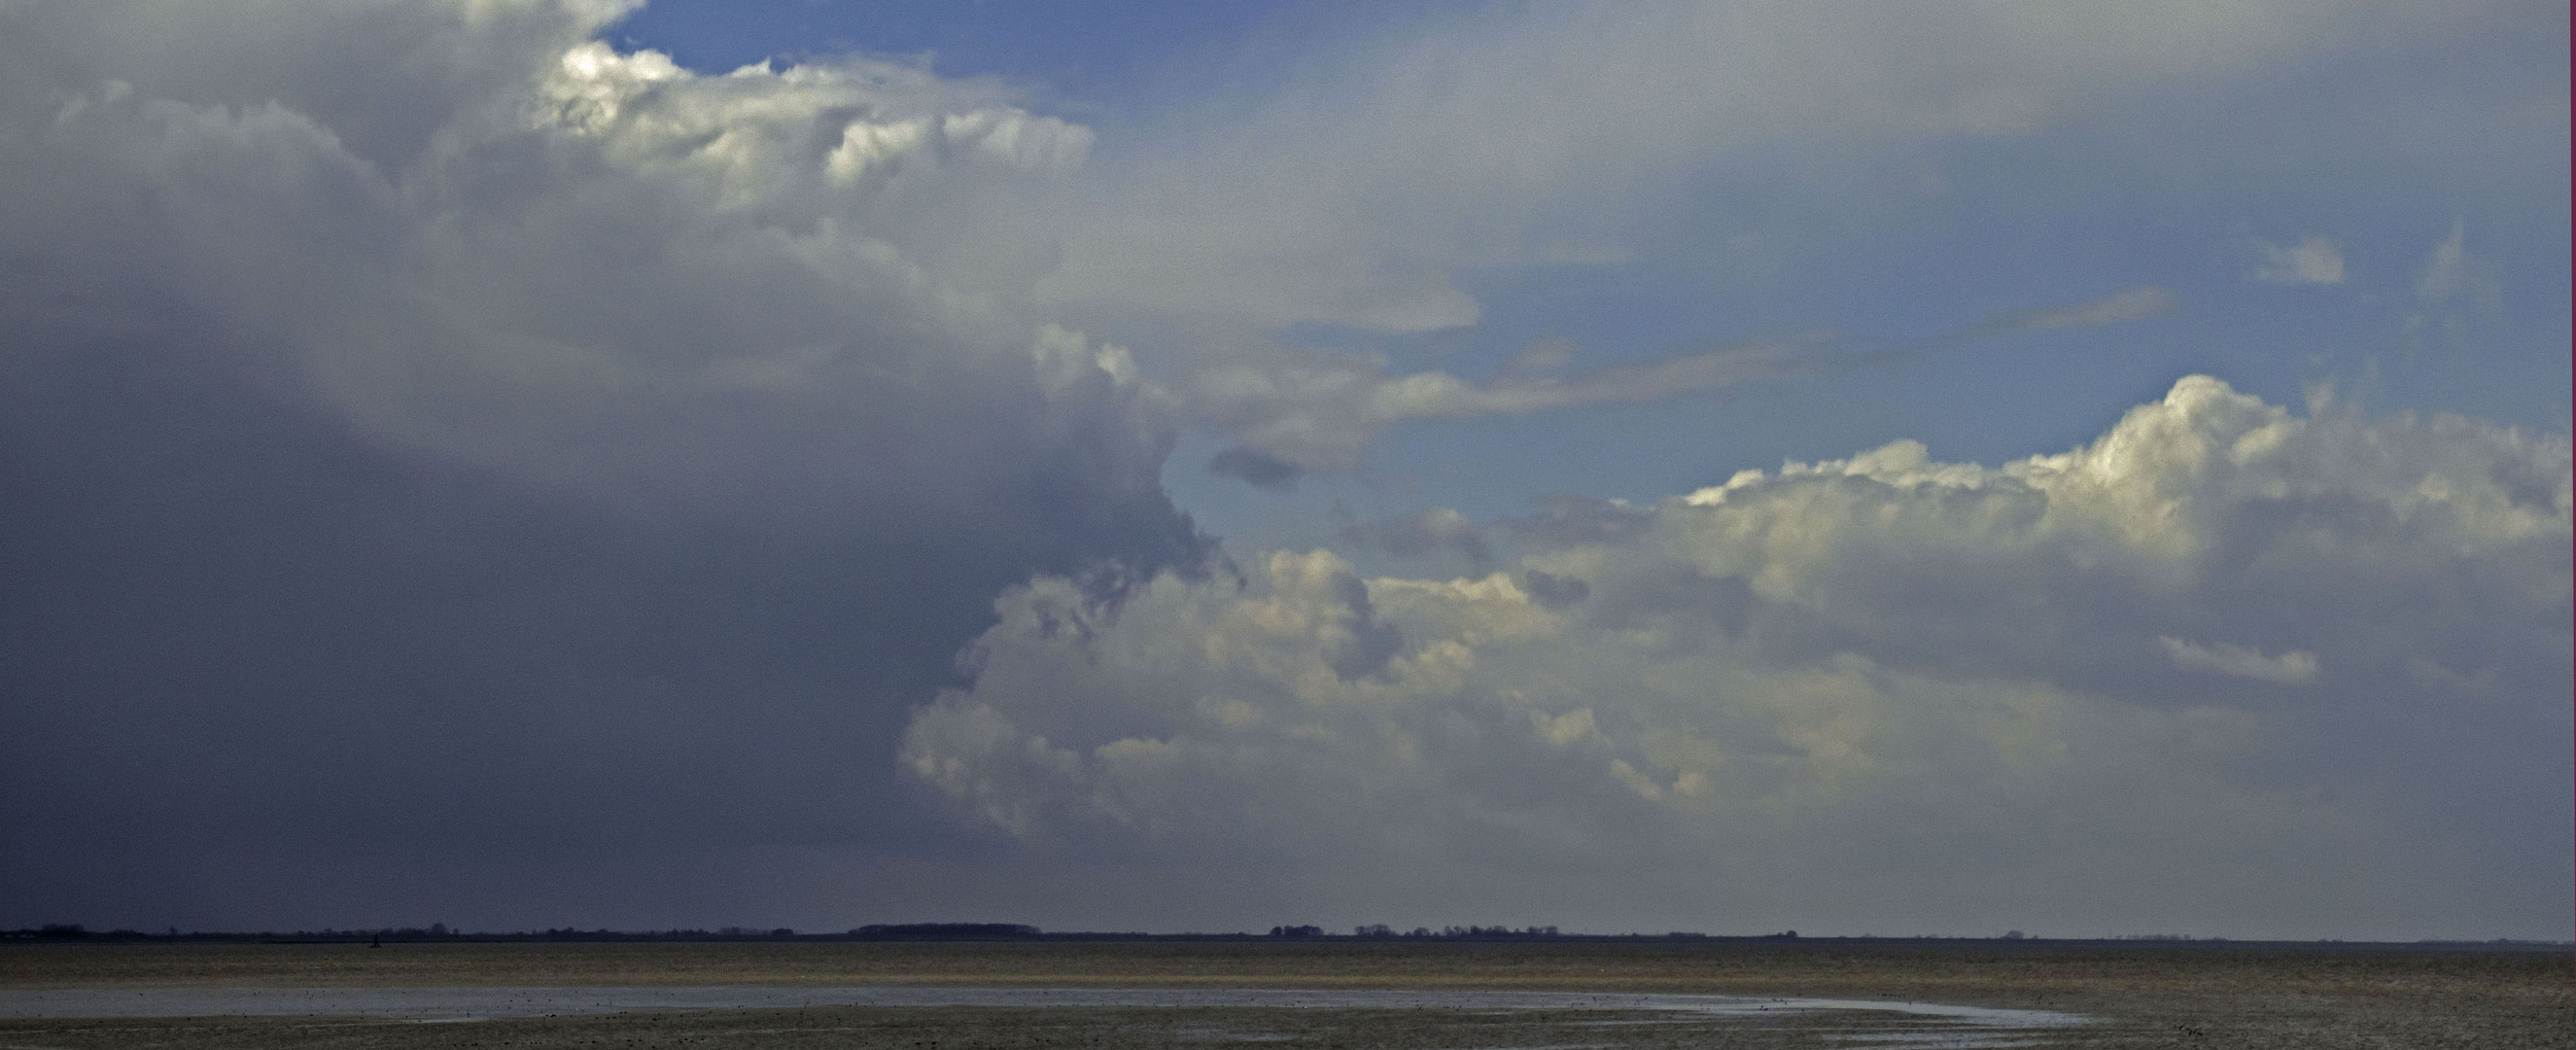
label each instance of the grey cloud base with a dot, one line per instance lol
(2221, 669)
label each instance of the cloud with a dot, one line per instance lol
(1257, 468)
(2290, 668)
(1542, 357)
(1424, 532)
(2314, 260)
(1861, 692)
(2131, 304)
(458, 466)
(432, 432)
(1396, 175)
(2450, 274)
(1321, 411)
(1360, 195)
(2446, 272)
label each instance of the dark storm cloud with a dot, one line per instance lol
(415, 465)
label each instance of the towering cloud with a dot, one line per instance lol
(2220, 665)
(430, 432)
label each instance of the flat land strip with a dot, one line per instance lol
(2143, 996)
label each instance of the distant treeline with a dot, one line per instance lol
(405, 934)
(1381, 930)
(991, 931)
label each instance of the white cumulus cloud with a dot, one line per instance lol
(1961, 690)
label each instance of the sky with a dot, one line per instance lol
(1861, 469)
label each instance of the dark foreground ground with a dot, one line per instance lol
(2148, 996)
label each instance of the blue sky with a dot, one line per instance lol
(1117, 62)
(1940, 468)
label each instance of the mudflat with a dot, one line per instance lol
(2134, 996)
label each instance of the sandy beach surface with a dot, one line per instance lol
(1323, 994)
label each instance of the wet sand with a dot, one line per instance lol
(2149, 996)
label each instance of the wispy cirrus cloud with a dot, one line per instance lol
(2455, 289)
(1319, 411)
(1360, 198)
(2128, 304)
(1293, 413)
(2315, 260)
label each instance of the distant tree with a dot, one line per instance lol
(1372, 930)
(1494, 931)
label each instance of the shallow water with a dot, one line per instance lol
(469, 1003)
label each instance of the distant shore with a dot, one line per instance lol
(1013, 932)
